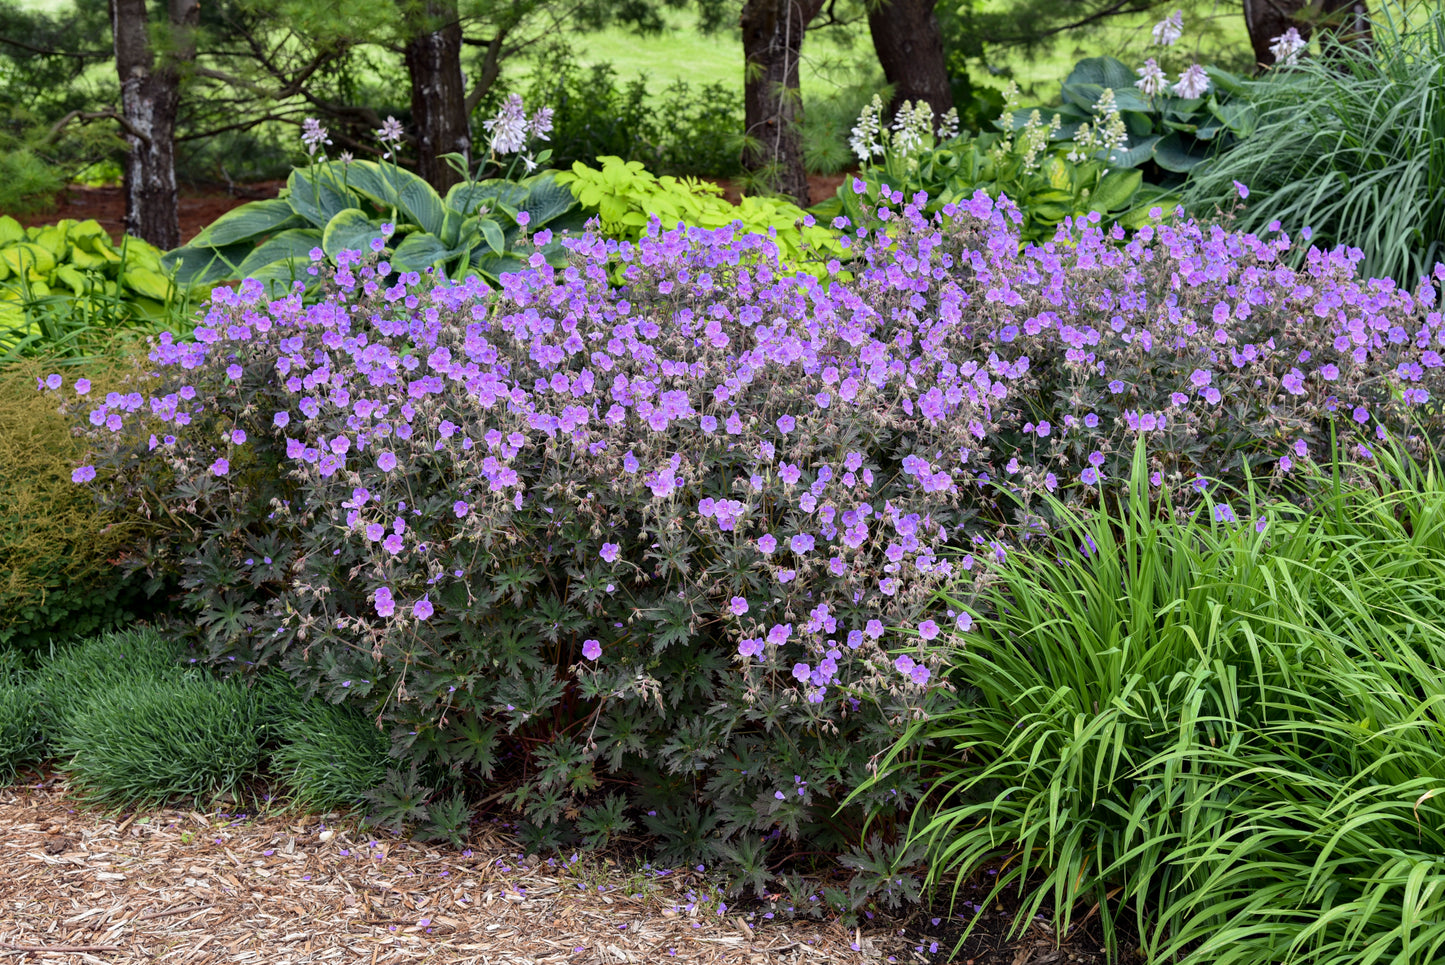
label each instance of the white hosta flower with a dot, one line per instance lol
(541, 123)
(1194, 82)
(1152, 79)
(864, 141)
(1168, 31)
(948, 127)
(911, 125)
(1288, 46)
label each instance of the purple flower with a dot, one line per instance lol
(751, 647)
(281, 419)
(82, 386)
(238, 437)
(802, 672)
(83, 474)
(786, 424)
(802, 543)
(928, 629)
(460, 508)
(393, 544)
(375, 532)
(220, 467)
(919, 674)
(591, 649)
(767, 543)
(904, 664)
(1243, 191)
(53, 381)
(738, 606)
(385, 605)
(386, 461)
(422, 609)
(965, 622)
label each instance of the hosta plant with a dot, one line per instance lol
(683, 537)
(1046, 183)
(65, 284)
(335, 205)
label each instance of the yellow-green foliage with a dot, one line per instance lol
(625, 196)
(73, 266)
(56, 546)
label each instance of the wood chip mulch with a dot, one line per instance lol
(180, 886)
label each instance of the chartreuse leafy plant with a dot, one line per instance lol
(332, 206)
(1351, 146)
(1046, 183)
(1222, 723)
(682, 540)
(627, 198)
(66, 289)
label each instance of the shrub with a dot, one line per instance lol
(1228, 730)
(150, 740)
(687, 533)
(58, 576)
(330, 755)
(1351, 145)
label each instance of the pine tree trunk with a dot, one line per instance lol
(438, 92)
(909, 44)
(149, 98)
(773, 110)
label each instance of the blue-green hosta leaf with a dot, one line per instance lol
(194, 265)
(1179, 154)
(1105, 72)
(1115, 190)
(388, 186)
(546, 201)
(350, 230)
(470, 196)
(1135, 153)
(492, 267)
(316, 195)
(247, 223)
(420, 251)
(491, 233)
(292, 243)
(281, 274)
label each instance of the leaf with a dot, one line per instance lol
(1175, 153)
(247, 223)
(492, 234)
(1104, 71)
(546, 200)
(314, 195)
(350, 230)
(195, 265)
(419, 252)
(1115, 190)
(292, 243)
(388, 186)
(468, 196)
(1136, 153)
(148, 282)
(494, 266)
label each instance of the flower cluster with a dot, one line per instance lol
(659, 526)
(1288, 46)
(912, 131)
(511, 129)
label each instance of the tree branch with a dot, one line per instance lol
(47, 52)
(107, 114)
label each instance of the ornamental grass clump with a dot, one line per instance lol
(687, 534)
(1225, 729)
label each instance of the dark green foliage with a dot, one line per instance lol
(678, 131)
(21, 741)
(330, 755)
(71, 674)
